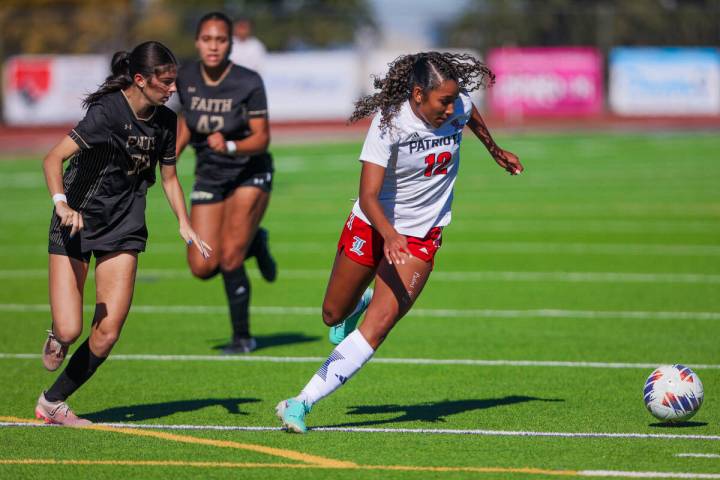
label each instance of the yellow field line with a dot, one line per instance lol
(172, 463)
(155, 463)
(19, 420)
(310, 461)
(276, 452)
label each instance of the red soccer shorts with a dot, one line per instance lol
(364, 245)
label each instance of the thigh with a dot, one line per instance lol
(114, 286)
(206, 220)
(396, 289)
(348, 281)
(244, 208)
(66, 277)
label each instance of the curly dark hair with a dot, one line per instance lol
(426, 70)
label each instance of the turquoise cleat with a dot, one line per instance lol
(338, 332)
(291, 413)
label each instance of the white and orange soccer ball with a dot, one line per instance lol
(673, 393)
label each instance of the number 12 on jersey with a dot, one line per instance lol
(439, 164)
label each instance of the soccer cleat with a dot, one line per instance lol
(54, 352)
(240, 345)
(261, 251)
(338, 332)
(291, 413)
(58, 413)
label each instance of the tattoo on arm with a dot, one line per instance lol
(478, 127)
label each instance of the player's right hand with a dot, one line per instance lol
(396, 249)
(69, 218)
(216, 142)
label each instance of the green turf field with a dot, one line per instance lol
(554, 296)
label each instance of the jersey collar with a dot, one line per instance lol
(145, 119)
(214, 83)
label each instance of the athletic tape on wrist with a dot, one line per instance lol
(59, 197)
(230, 146)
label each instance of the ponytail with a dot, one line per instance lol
(147, 59)
(120, 78)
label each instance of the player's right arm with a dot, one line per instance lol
(52, 167)
(371, 181)
(375, 154)
(183, 136)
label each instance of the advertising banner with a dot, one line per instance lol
(546, 81)
(665, 81)
(47, 90)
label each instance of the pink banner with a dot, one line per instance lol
(546, 81)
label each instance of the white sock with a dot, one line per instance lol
(347, 358)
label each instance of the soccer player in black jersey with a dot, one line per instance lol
(224, 118)
(100, 210)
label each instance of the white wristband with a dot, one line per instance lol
(59, 197)
(230, 147)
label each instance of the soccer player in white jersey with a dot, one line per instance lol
(409, 161)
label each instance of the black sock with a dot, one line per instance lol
(237, 289)
(79, 369)
(255, 244)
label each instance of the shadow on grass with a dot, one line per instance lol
(276, 340)
(434, 411)
(677, 424)
(147, 411)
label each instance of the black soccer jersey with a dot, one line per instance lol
(107, 180)
(224, 106)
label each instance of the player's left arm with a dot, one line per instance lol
(255, 143)
(507, 160)
(176, 198)
(259, 139)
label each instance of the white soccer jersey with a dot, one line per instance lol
(421, 166)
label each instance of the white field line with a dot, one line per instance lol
(417, 431)
(698, 455)
(375, 360)
(469, 276)
(628, 249)
(416, 312)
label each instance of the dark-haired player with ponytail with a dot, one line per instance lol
(100, 211)
(410, 160)
(224, 117)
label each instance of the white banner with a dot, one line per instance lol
(48, 89)
(665, 81)
(311, 85)
(301, 86)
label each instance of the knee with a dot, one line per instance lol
(330, 316)
(203, 270)
(67, 334)
(231, 260)
(103, 341)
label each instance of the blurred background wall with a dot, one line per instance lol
(553, 58)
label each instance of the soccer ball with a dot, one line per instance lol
(673, 393)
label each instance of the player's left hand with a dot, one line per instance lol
(192, 238)
(216, 141)
(509, 161)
